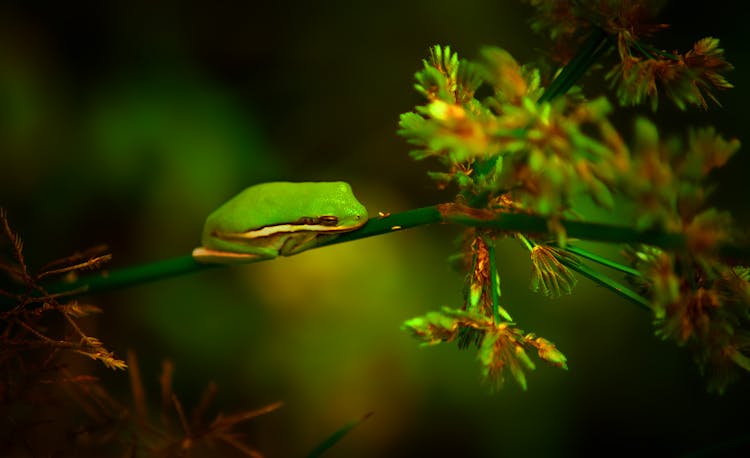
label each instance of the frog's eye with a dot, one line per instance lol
(306, 220)
(328, 220)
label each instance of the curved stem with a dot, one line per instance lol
(603, 280)
(129, 276)
(181, 265)
(494, 287)
(603, 261)
(337, 435)
(594, 46)
(597, 277)
(450, 213)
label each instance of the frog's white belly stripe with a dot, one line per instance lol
(281, 228)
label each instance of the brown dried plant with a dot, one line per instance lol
(48, 409)
(643, 71)
(40, 321)
(176, 434)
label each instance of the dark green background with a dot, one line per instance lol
(128, 124)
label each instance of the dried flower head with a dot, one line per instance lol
(501, 346)
(177, 434)
(541, 155)
(548, 274)
(643, 71)
(483, 281)
(563, 22)
(686, 79)
(708, 311)
(526, 148)
(666, 178)
(40, 320)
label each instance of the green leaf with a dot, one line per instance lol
(468, 78)
(518, 375)
(504, 74)
(433, 84)
(337, 435)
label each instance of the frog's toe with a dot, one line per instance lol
(208, 256)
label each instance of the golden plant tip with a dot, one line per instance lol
(78, 310)
(475, 294)
(165, 381)
(136, 387)
(549, 275)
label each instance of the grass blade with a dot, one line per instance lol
(339, 434)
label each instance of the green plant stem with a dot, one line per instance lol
(337, 435)
(129, 276)
(595, 276)
(181, 265)
(604, 280)
(493, 283)
(508, 222)
(590, 51)
(599, 232)
(525, 241)
(603, 261)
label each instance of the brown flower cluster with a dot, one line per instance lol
(51, 410)
(548, 274)
(707, 311)
(501, 346)
(565, 22)
(483, 323)
(37, 320)
(482, 297)
(643, 71)
(686, 79)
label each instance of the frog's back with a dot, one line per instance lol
(278, 202)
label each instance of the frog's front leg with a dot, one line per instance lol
(209, 256)
(302, 241)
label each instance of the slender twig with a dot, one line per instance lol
(608, 282)
(181, 265)
(337, 435)
(595, 276)
(603, 261)
(128, 276)
(506, 222)
(590, 51)
(493, 283)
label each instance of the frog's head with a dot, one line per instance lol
(337, 209)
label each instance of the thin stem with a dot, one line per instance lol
(181, 265)
(337, 435)
(508, 222)
(129, 276)
(603, 261)
(643, 51)
(597, 277)
(606, 281)
(525, 241)
(600, 232)
(493, 282)
(594, 46)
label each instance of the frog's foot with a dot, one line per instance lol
(205, 255)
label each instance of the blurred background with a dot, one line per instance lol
(127, 125)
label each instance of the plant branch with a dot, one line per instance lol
(608, 282)
(494, 284)
(603, 261)
(445, 213)
(590, 51)
(598, 277)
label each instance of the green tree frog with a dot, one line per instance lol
(278, 218)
